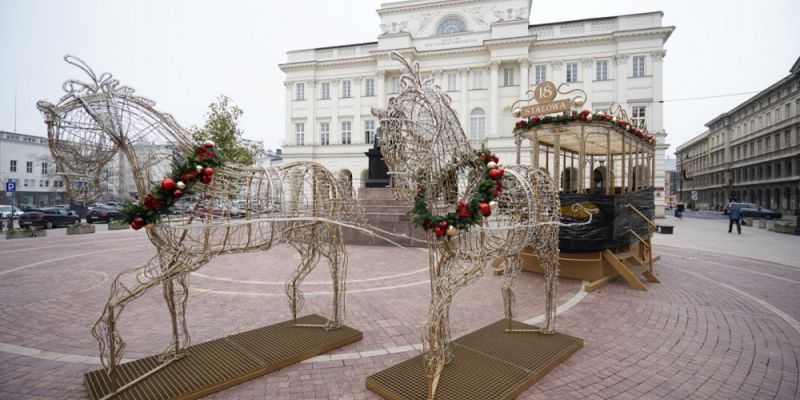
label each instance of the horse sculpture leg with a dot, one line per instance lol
(337, 258)
(513, 265)
(176, 293)
(438, 336)
(547, 252)
(309, 258)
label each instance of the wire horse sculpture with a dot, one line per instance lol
(301, 204)
(422, 142)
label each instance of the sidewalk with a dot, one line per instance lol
(712, 236)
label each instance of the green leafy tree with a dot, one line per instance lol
(222, 126)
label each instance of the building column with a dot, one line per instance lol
(555, 67)
(311, 96)
(657, 115)
(335, 113)
(524, 77)
(621, 77)
(464, 72)
(437, 78)
(355, 131)
(380, 87)
(494, 68)
(587, 78)
(289, 137)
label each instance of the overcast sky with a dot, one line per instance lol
(185, 53)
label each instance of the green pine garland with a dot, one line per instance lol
(584, 115)
(467, 213)
(196, 167)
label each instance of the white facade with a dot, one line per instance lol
(486, 55)
(26, 160)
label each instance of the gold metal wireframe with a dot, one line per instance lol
(301, 203)
(422, 141)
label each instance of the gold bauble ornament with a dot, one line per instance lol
(452, 231)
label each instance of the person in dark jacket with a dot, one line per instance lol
(735, 216)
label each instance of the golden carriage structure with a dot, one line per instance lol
(604, 166)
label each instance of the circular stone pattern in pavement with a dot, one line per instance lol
(716, 327)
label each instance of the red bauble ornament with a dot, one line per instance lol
(135, 226)
(443, 224)
(440, 231)
(205, 179)
(177, 193)
(208, 171)
(138, 221)
(426, 223)
(486, 209)
(496, 173)
(167, 184)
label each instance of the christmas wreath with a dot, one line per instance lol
(584, 115)
(467, 211)
(196, 167)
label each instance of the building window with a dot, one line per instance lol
(572, 72)
(451, 25)
(47, 183)
(29, 167)
(638, 66)
(766, 144)
(540, 72)
(346, 131)
(346, 86)
(452, 82)
(299, 91)
(299, 133)
(25, 182)
(602, 70)
(369, 131)
(324, 133)
(508, 76)
(369, 87)
(778, 115)
(13, 166)
(44, 168)
(325, 90)
(769, 120)
(41, 182)
(787, 109)
(394, 86)
(477, 79)
(787, 136)
(638, 116)
(477, 124)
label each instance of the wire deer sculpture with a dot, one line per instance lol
(301, 204)
(426, 150)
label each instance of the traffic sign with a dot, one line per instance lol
(695, 196)
(11, 187)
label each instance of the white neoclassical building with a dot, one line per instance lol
(485, 54)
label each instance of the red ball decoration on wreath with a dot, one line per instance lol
(205, 179)
(135, 226)
(208, 171)
(177, 193)
(486, 209)
(167, 184)
(439, 231)
(138, 221)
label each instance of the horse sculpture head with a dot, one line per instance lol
(96, 120)
(420, 133)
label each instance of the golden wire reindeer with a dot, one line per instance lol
(301, 204)
(431, 160)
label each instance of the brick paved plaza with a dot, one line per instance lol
(718, 326)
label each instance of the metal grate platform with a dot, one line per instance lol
(221, 363)
(487, 364)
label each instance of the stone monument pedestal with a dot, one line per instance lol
(384, 212)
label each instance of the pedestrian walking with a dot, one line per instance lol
(735, 217)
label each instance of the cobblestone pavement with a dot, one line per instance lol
(716, 327)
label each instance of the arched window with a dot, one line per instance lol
(477, 124)
(451, 25)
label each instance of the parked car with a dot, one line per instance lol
(6, 211)
(752, 210)
(47, 218)
(102, 214)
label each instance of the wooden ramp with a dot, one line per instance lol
(221, 363)
(489, 363)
